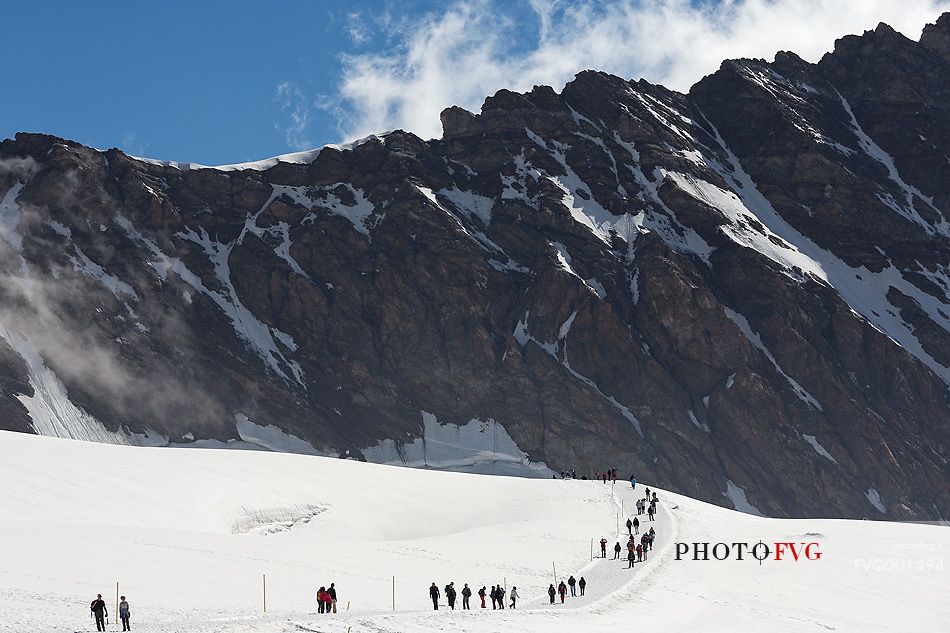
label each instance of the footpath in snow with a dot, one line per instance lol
(189, 535)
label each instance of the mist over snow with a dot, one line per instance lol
(471, 49)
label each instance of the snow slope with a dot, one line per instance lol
(188, 534)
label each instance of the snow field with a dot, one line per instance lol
(189, 533)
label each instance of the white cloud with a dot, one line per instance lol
(296, 108)
(357, 28)
(132, 145)
(470, 50)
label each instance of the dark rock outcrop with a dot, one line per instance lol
(741, 293)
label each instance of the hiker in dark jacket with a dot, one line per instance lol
(481, 594)
(332, 592)
(603, 548)
(636, 525)
(630, 559)
(551, 593)
(434, 594)
(450, 595)
(562, 591)
(617, 550)
(572, 584)
(582, 583)
(630, 527)
(493, 594)
(466, 594)
(98, 608)
(501, 597)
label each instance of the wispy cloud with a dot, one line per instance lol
(295, 109)
(132, 145)
(468, 50)
(357, 28)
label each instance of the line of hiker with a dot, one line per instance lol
(98, 610)
(608, 475)
(647, 505)
(636, 551)
(497, 595)
(326, 599)
(562, 588)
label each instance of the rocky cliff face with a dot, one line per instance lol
(741, 293)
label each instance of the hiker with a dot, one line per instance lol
(321, 599)
(636, 525)
(603, 547)
(643, 542)
(466, 594)
(562, 591)
(630, 527)
(639, 553)
(630, 559)
(514, 596)
(332, 592)
(98, 608)
(450, 595)
(617, 550)
(651, 511)
(582, 583)
(494, 597)
(573, 476)
(551, 593)
(633, 482)
(648, 494)
(501, 597)
(604, 477)
(434, 594)
(124, 614)
(639, 506)
(481, 594)
(654, 497)
(572, 584)
(613, 474)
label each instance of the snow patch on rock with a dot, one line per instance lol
(479, 446)
(819, 448)
(875, 498)
(736, 495)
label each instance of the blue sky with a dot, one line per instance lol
(221, 82)
(190, 80)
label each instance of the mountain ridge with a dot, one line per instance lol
(745, 287)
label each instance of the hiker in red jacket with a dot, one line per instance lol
(562, 591)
